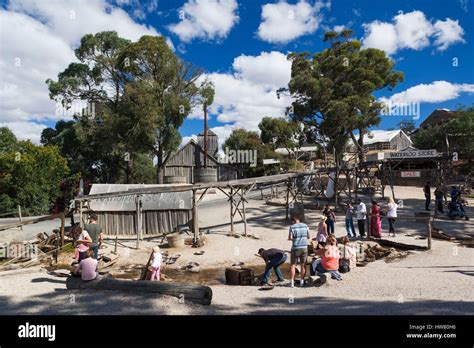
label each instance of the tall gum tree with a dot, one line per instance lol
(332, 90)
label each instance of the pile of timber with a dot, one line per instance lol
(188, 292)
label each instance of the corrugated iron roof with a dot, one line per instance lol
(157, 201)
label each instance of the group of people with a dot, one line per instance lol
(334, 258)
(87, 241)
(326, 226)
(441, 199)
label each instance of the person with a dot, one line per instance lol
(376, 221)
(348, 256)
(299, 235)
(330, 218)
(87, 268)
(439, 197)
(155, 263)
(427, 192)
(95, 232)
(350, 230)
(361, 216)
(322, 234)
(391, 215)
(455, 194)
(81, 243)
(273, 258)
(329, 261)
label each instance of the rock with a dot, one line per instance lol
(195, 269)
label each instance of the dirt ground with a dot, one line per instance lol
(438, 281)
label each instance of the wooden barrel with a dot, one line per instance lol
(205, 175)
(174, 179)
(175, 240)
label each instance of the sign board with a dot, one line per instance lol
(270, 161)
(410, 174)
(411, 154)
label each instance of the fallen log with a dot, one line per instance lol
(188, 292)
(438, 234)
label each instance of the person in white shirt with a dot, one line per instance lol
(391, 215)
(155, 265)
(361, 216)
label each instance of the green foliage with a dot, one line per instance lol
(241, 139)
(459, 130)
(30, 176)
(279, 132)
(150, 91)
(332, 89)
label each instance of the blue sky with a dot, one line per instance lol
(241, 45)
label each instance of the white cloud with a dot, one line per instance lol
(206, 19)
(283, 22)
(25, 130)
(435, 92)
(411, 31)
(248, 93)
(271, 69)
(38, 41)
(382, 36)
(448, 32)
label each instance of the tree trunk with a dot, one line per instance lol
(187, 292)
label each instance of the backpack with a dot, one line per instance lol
(344, 266)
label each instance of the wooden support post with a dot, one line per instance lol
(391, 180)
(382, 179)
(20, 217)
(116, 243)
(231, 200)
(137, 223)
(61, 231)
(349, 185)
(288, 199)
(242, 196)
(81, 223)
(356, 184)
(428, 225)
(195, 218)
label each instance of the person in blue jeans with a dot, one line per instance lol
(350, 229)
(330, 218)
(273, 258)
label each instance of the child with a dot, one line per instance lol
(82, 243)
(155, 265)
(322, 234)
(88, 267)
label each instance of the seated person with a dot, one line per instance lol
(347, 254)
(329, 261)
(88, 267)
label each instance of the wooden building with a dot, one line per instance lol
(212, 142)
(190, 157)
(382, 140)
(158, 213)
(437, 118)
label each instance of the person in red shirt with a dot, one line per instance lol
(329, 258)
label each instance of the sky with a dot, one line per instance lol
(242, 46)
